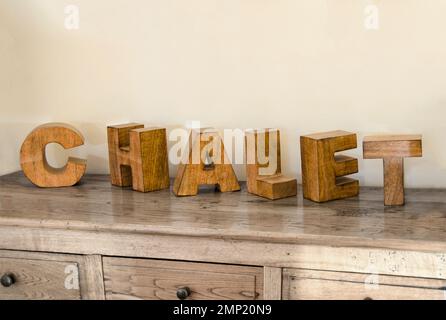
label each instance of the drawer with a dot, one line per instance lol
(154, 279)
(301, 284)
(36, 276)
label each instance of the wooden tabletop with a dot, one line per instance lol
(96, 205)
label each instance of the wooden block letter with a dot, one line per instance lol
(393, 149)
(33, 158)
(205, 163)
(263, 168)
(322, 171)
(138, 157)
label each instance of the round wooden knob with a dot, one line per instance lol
(183, 293)
(7, 280)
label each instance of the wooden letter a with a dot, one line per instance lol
(204, 164)
(138, 157)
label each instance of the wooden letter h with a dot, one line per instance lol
(138, 157)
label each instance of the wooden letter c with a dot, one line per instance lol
(33, 159)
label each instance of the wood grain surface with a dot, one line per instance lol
(315, 285)
(393, 149)
(160, 280)
(38, 280)
(323, 172)
(138, 157)
(45, 276)
(389, 146)
(33, 156)
(95, 205)
(264, 165)
(193, 170)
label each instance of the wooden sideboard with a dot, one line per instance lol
(96, 241)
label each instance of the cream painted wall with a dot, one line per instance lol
(300, 65)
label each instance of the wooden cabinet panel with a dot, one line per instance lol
(38, 276)
(153, 279)
(301, 284)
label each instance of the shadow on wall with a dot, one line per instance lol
(95, 149)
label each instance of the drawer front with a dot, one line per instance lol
(301, 284)
(32, 278)
(154, 279)
(43, 276)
